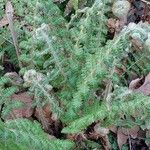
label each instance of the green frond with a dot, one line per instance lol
(4, 80)
(97, 68)
(11, 105)
(7, 92)
(136, 102)
(30, 135)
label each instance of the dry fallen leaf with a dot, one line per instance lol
(3, 21)
(133, 132)
(26, 111)
(137, 44)
(115, 25)
(102, 133)
(145, 88)
(44, 116)
(46, 110)
(69, 8)
(124, 133)
(113, 129)
(100, 130)
(111, 23)
(120, 71)
(121, 138)
(135, 84)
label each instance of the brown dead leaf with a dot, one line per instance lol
(134, 132)
(119, 25)
(49, 120)
(44, 116)
(69, 8)
(102, 133)
(145, 88)
(105, 142)
(115, 25)
(46, 110)
(111, 23)
(100, 130)
(121, 138)
(120, 71)
(123, 134)
(4, 21)
(26, 111)
(135, 84)
(113, 129)
(71, 137)
(40, 114)
(141, 134)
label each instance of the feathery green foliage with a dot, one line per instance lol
(64, 63)
(29, 135)
(128, 105)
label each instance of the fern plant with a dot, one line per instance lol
(64, 63)
(24, 134)
(129, 104)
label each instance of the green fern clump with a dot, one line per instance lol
(24, 134)
(97, 68)
(130, 104)
(112, 52)
(44, 53)
(64, 63)
(61, 59)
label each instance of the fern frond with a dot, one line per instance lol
(30, 135)
(7, 93)
(97, 68)
(4, 80)
(9, 106)
(137, 102)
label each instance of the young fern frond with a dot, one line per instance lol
(41, 90)
(132, 104)
(96, 70)
(85, 27)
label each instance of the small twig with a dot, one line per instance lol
(146, 2)
(78, 12)
(9, 14)
(130, 145)
(108, 89)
